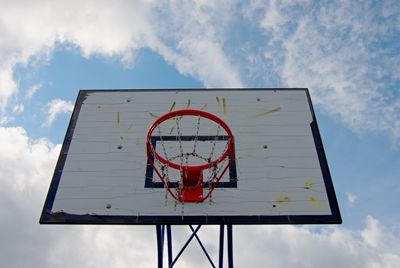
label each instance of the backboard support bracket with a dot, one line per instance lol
(162, 230)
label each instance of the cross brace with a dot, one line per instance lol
(162, 229)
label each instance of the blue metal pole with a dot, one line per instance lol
(160, 244)
(221, 246)
(169, 242)
(230, 245)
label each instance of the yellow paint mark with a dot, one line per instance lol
(264, 113)
(308, 184)
(284, 199)
(224, 105)
(313, 200)
(218, 102)
(118, 119)
(125, 132)
(180, 117)
(204, 107)
(153, 115)
(172, 106)
(187, 104)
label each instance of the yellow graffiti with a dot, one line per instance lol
(283, 199)
(264, 113)
(308, 184)
(125, 132)
(172, 106)
(218, 102)
(118, 119)
(313, 200)
(224, 105)
(204, 107)
(187, 104)
(153, 115)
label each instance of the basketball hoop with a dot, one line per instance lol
(190, 163)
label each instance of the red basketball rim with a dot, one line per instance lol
(190, 112)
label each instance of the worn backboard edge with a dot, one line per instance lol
(65, 218)
(48, 204)
(334, 205)
(47, 217)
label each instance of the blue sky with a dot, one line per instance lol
(346, 53)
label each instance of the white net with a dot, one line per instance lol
(183, 142)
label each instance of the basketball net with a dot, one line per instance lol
(186, 151)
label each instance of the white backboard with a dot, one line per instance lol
(280, 173)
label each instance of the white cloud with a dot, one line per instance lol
(273, 18)
(4, 120)
(351, 198)
(333, 49)
(31, 30)
(336, 53)
(32, 90)
(26, 167)
(8, 87)
(377, 236)
(194, 42)
(344, 52)
(18, 108)
(55, 108)
(288, 246)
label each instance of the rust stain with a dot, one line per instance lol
(265, 113)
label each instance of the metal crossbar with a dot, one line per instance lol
(160, 230)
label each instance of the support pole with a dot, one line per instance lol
(160, 244)
(230, 245)
(160, 231)
(221, 246)
(169, 244)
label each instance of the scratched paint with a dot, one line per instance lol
(264, 113)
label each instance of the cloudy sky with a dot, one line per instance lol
(345, 52)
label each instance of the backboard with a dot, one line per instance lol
(276, 172)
